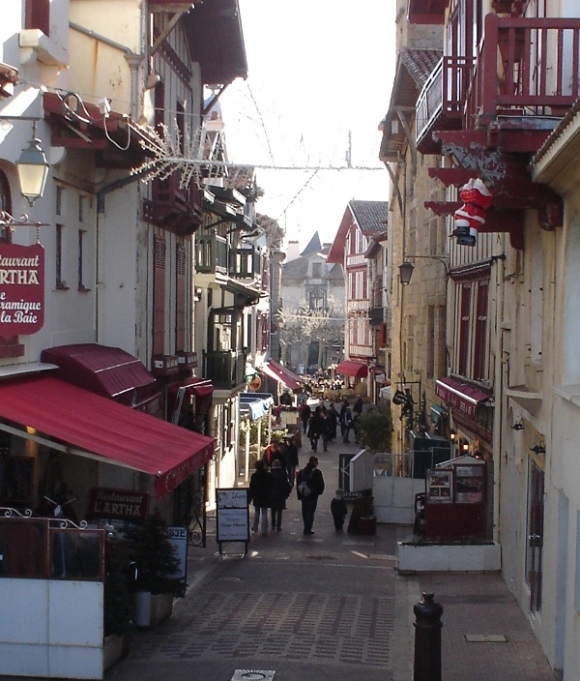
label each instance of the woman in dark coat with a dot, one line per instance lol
(259, 496)
(314, 429)
(280, 489)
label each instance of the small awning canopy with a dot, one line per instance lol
(461, 396)
(76, 421)
(201, 388)
(255, 405)
(281, 374)
(107, 371)
(354, 369)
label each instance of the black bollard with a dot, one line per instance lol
(427, 625)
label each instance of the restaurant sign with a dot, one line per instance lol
(117, 504)
(21, 289)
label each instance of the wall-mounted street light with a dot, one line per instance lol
(33, 170)
(406, 268)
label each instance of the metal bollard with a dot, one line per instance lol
(427, 666)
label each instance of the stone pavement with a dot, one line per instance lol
(328, 606)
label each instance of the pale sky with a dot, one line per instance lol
(317, 70)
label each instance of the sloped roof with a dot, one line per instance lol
(314, 245)
(414, 66)
(370, 217)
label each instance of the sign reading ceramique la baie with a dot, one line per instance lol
(21, 289)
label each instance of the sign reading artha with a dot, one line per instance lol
(21, 289)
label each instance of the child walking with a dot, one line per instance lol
(339, 510)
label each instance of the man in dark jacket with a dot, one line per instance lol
(310, 485)
(259, 496)
(279, 493)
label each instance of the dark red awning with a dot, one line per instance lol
(98, 427)
(354, 369)
(281, 374)
(198, 387)
(103, 370)
(461, 396)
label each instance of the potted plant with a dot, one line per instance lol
(374, 428)
(118, 606)
(156, 570)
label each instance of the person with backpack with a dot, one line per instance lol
(309, 486)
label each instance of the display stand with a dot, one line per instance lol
(454, 501)
(232, 517)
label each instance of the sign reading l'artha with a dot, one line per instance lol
(21, 289)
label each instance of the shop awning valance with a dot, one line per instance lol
(255, 405)
(107, 371)
(461, 396)
(354, 369)
(82, 423)
(281, 374)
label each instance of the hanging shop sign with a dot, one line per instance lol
(21, 289)
(117, 504)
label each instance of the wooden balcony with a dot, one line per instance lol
(211, 254)
(526, 69)
(245, 263)
(173, 208)
(226, 369)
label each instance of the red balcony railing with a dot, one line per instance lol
(525, 68)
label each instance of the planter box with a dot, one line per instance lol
(152, 609)
(413, 558)
(115, 647)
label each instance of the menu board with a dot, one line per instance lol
(233, 517)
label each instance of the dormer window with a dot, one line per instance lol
(316, 270)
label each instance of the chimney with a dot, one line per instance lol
(292, 251)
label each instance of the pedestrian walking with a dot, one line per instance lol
(259, 496)
(271, 452)
(346, 424)
(325, 428)
(332, 421)
(339, 510)
(309, 486)
(314, 429)
(305, 414)
(292, 461)
(280, 489)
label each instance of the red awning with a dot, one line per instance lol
(281, 374)
(103, 370)
(461, 396)
(103, 429)
(354, 369)
(198, 387)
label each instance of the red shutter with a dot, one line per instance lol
(479, 353)
(464, 329)
(38, 15)
(180, 299)
(158, 296)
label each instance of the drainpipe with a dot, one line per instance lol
(133, 59)
(100, 194)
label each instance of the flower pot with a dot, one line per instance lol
(143, 609)
(152, 609)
